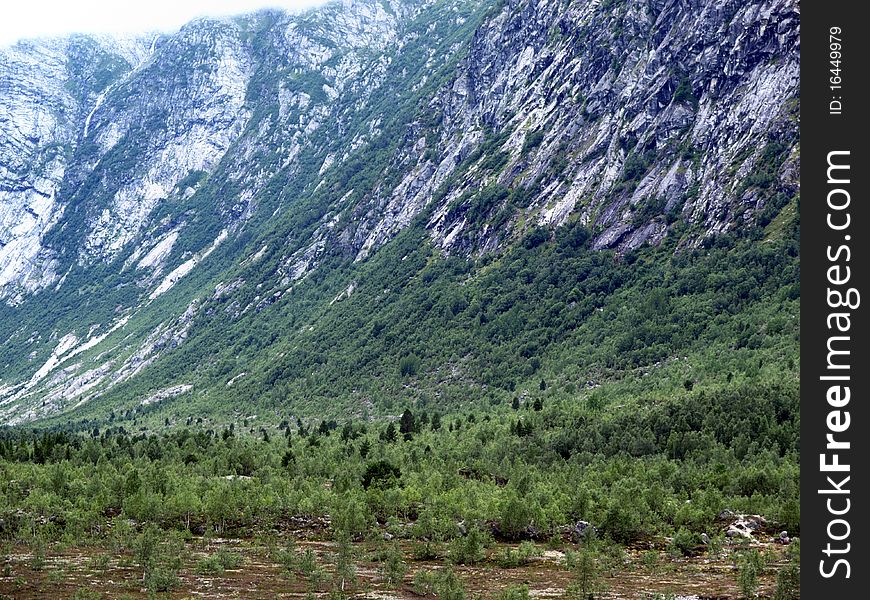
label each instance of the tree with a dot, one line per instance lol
(364, 448)
(448, 586)
(145, 548)
(586, 574)
(749, 566)
(409, 365)
(407, 426)
(345, 569)
(395, 567)
(381, 474)
(516, 517)
(470, 549)
(389, 434)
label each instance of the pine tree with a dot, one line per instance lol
(407, 425)
(389, 434)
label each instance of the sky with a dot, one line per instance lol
(50, 18)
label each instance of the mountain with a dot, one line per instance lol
(388, 202)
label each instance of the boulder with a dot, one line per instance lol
(582, 529)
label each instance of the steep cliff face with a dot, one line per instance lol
(629, 113)
(145, 181)
(48, 89)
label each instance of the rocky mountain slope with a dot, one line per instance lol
(156, 193)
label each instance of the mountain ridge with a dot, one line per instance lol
(270, 158)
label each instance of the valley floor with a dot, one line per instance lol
(85, 572)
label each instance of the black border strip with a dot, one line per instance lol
(834, 228)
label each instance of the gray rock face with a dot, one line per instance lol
(138, 161)
(46, 88)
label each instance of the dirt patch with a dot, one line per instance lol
(637, 575)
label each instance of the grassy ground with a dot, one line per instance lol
(85, 572)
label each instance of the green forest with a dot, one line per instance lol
(404, 300)
(690, 419)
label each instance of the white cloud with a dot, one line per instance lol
(50, 18)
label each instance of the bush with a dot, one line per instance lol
(533, 140)
(448, 586)
(682, 543)
(229, 559)
(515, 592)
(287, 558)
(788, 583)
(470, 549)
(145, 548)
(424, 583)
(218, 562)
(162, 579)
(788, 580)
(381, 474)
(409, 365)
(750, 564)
(586, 574)
(511, 559)
(210, 565)
(516, 517)
(395, 567)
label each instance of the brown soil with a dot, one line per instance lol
(68, 570)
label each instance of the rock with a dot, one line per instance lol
(705, 538)
(105, 144)
(782, 538)
(387, 536)
(582, 529)
(744, 525)
(462, 528)
(753, 522)
(735, 531)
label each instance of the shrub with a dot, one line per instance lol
(409, 365)
(533, 140)
(286, 557)
(682, 543)
(210, 565)
(516, 516)
(511, 559)
(229, 559)
(145, 548)
(307, 562)
(470, 549)
(218, 562)
(395, 567)
(788, 580)
(749, 566)
(448, 586)
(381, 474)
(586, 574)
(162, 579)
(424, 583)
(788, 583)
(515, 592)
